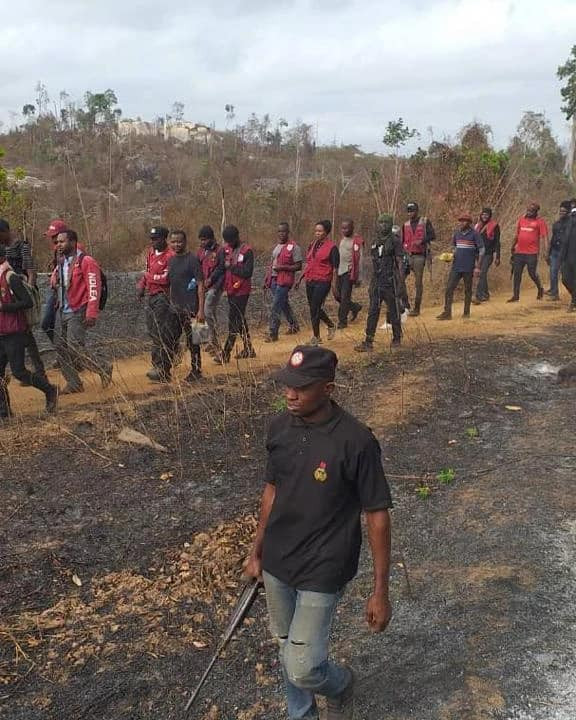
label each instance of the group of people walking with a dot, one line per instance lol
(183, 287)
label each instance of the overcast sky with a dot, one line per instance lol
(345, 66)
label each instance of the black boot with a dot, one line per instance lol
(40, 382)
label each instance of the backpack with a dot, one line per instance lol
(34, 313)
(104, 284)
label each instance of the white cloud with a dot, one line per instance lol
(348, 66)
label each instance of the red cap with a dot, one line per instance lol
(55, 228)
(465, 217)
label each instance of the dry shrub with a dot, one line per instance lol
(182, 604)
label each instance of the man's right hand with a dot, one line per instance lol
(253, 567)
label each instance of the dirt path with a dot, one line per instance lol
(494, 318)
(482, 581)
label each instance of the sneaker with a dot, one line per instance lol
(314, 342)
(396, 341)
(554, 298)
(293, 330)
(342, 326)
(540, 293)
(156, 376)
(52, 399)
(354, 313)
(106, 376)
(466, 315)
(414, 313)
(547, 292)
(331, 332)
(444, 316)
(477, 301)
(271, 338)
(342, 706)
(364, 346)
(513, 299)
(246, 353)
(72, 389)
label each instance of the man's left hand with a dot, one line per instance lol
(378, 612)
(90, 322)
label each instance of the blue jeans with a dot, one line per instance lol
(280, 306)
(554, 271)
(300, 620)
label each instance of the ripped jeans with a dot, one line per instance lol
(301, 621)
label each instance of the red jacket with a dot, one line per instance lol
(10, 322)
(284, 278)
(414, 241)
(155, 279)
(234, 284)
(487, 228)
(84, 284)
(208, 259)
(318, 265)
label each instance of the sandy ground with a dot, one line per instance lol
(490, 319)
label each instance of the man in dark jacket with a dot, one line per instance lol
(468, 252)
(387, 283)
(568, 261)
(556, 242)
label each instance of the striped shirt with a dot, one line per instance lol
(468, 246)
(20, 257)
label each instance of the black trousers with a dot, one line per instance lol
(521, 261)
(13, 352)
(185, 320)
(378, 295)
(569, 279)
(347, 305)
(237, 324)
(453, 282)
(164, 330)
(316, 293)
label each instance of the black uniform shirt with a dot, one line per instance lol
(324, 475)
(181, 270)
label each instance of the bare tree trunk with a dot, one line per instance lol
(571, 157)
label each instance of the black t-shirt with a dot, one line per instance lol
(324, 475)
(182, 269)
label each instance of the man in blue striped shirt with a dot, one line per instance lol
(468, 251)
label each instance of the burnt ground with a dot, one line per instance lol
(482, 583)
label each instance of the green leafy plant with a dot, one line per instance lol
(446, 476)
(423, 492)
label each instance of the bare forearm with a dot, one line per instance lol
(379, 535)
(266, 503)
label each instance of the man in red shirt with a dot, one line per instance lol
(531, 237)
(77, 280)
(161, 321)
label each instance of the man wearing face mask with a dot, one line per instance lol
(387, 283)
(531, 237)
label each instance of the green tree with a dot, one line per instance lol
(178, 111)
(100, 110)
(397, 134)
(28, 111)
(567, 73)
(535, 143)
(12, 199)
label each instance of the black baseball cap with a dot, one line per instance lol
(307, 365)
(159, 232)
(411, 207)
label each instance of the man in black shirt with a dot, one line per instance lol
(387, 283)
(324, 468)
(555, 250)
(186, 296)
